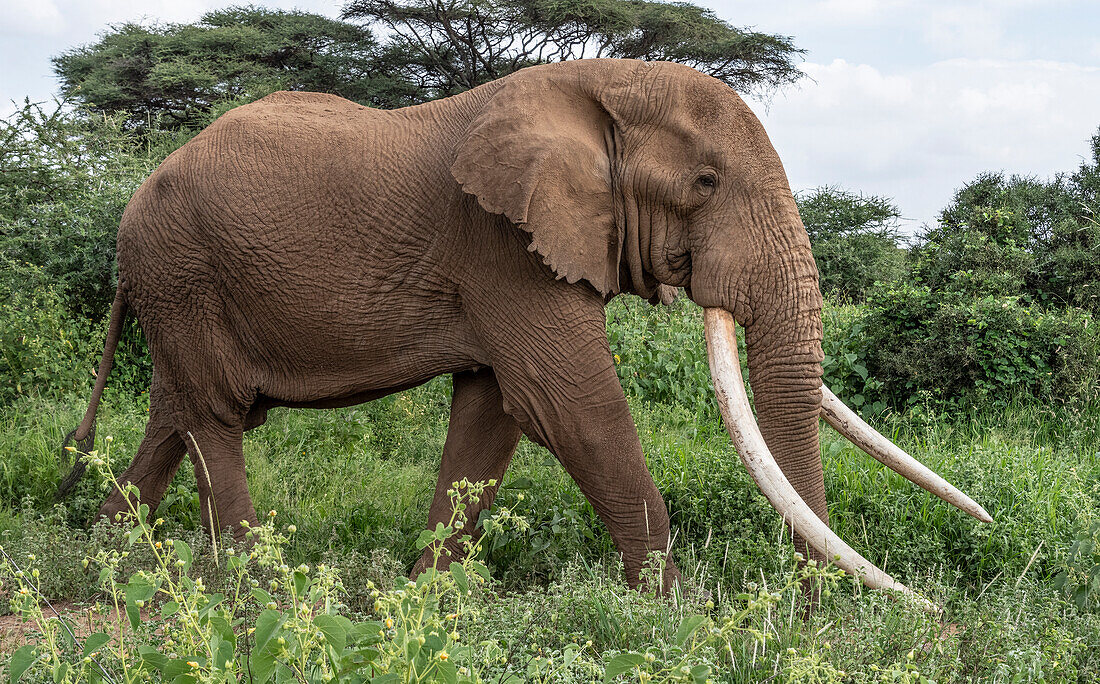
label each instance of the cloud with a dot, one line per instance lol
(37, 18)
(917, 135)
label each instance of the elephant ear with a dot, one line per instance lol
(538, 153)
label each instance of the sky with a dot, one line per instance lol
(906, 99)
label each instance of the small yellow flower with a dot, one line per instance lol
(618, 359)
(444, 656)
(389, 623)
(193, 664)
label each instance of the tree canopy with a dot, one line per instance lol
(171, 75)
(446, 46)
(854, 239)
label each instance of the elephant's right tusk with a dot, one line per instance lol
(845, 421)
(729, 389)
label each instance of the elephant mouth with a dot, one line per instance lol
(729, 388)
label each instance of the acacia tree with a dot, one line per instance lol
(171, 75)
(447, 46)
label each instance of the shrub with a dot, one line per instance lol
(1019, 235)
(42, 349)
(854, 239)
(845, 368)
(1000, 299)
(953, 348)
(660, 353)
(65, 179)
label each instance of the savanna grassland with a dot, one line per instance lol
(354, 484)
(972, 345)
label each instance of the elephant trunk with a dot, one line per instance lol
(783, 343)
(809, 527)
(783, 337)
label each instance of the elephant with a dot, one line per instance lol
(307, 251)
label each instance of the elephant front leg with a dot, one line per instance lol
(558, 381)
(481, 439)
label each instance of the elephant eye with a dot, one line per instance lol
(707, 181)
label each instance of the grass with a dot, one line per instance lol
(1020, 594)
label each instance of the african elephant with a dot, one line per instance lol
(307, 251)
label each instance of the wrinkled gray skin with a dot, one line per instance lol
(307, 251)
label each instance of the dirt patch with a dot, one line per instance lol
(82, 618)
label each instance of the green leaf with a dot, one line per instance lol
(479, 568)
(266, 624)
(459, 574)
(260, 666)
(21, 661)
(622, 663)
(95, 641)
(336, 634)
(426, 537)
(262, 596)
(152, 659)
(570, 654)
(134, 535)
(183, 551)
(169, 609)
(221, 650)
(448, 671)
(388, 678)
(300, 583)
(687, 627)
(133, 615)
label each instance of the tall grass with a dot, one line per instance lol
(1019, 598)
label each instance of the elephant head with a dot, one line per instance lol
(630, 175)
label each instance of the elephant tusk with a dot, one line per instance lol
(845, 421)
(729, 389)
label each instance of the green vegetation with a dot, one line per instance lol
(1020, 594)
(168, 76)
(976, 350)
(855, 240)
(999, 297)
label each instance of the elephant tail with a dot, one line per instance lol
(84, 434)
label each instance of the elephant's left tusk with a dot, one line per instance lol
(845, 421)
(729, 389)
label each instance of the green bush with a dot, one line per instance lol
(854, 238)
(45, 350)
(65, 179)
(845, 367)
(1018, 235)
(672, 371)
(1000, 297)
(42, 349)
(954, 348)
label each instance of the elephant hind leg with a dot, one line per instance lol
(481, 439)
(217, 453)
(155, 464)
